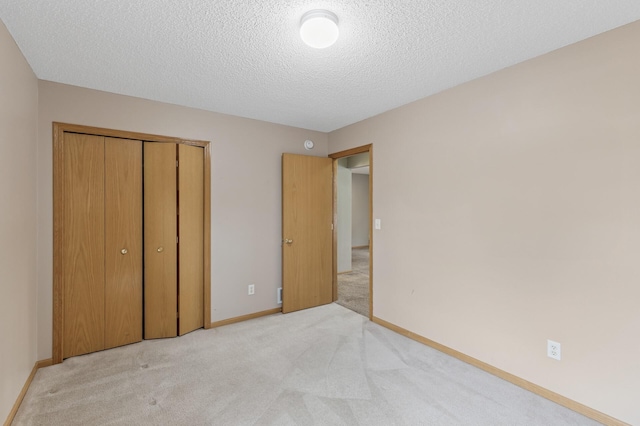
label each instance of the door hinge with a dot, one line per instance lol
(176, 163)
(332, 226)
(177, 240)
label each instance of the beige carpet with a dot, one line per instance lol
(321, 366)
(353, 287)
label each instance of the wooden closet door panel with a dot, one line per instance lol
(123, 246)
(160, 248)
(83, 244)
(191, 241)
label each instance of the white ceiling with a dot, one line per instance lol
(244, 57)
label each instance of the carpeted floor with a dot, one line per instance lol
(353, 287)
(321, 366)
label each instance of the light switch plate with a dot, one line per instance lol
(377, 224)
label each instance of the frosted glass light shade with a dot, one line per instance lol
(319, 28)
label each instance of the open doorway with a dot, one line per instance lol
(352, 280)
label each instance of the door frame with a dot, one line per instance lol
(336, 156)
(58, 215)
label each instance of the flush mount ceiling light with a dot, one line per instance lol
(319, 28)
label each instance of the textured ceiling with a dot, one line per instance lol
(245, 57)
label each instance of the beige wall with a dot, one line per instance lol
(245, 190)
(18, 256)
(510, 212)
(360, 210)
(344, 208)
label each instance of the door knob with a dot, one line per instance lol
(124, 251)
(160, 249)
(287, 241)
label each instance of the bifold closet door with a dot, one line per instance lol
(123, 245)
(191, 240)
(102, 243)
(160, 245)
(83, 245)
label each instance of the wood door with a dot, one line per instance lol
(307, 213)
(160, 247)
(83, 244)
(123, 245)
(191, 238)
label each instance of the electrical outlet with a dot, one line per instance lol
(554, 350)
(252, 289)
(279, 295)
